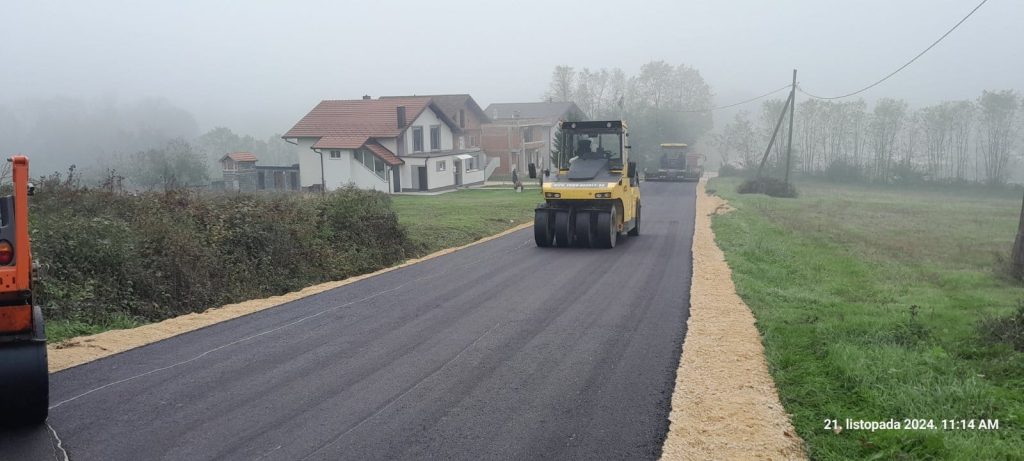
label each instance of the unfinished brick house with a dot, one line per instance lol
(522, 133)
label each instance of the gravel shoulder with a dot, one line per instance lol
(725, 405)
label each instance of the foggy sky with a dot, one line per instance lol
(258, 66)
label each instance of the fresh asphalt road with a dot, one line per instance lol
(499, 351)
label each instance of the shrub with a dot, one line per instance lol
(729, 170)
(1006, 329)
(843, 171)
(905, 173)
(768, 186)
(155, 255)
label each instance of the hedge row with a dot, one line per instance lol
(156, 255)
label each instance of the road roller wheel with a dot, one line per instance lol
(543, 228)
(635, 231)
(584, 230)
(606, 230)
(24, 384)
(563, 229)
(25, 378)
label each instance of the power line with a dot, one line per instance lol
(903, 66)
(735, 104)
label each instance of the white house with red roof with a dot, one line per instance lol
(391, 145)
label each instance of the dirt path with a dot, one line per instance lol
(725, 405)
(84, 349)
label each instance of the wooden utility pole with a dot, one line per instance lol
(792, 111)
(775, 132)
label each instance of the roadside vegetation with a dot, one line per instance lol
(435, 222)
(885, 302)
(114, 260)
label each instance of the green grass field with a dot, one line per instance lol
(869, 302)
(435, 222)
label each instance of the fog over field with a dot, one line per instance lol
(256, 67)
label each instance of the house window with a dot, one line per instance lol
(441, 165)
(471, 164)
(335, 154)
(528, 134)
(462, 118)
(417, 139)
(372, 162)
(435, 137)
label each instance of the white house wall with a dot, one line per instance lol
(473, 176)
(436, 179)
(309, 162)
(427, 119)
(337, 171)
(363, 178)
(390, 143)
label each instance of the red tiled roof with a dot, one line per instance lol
(386, 155)
(451, 103)
(341, 142)
(357, 117)
(241, 156)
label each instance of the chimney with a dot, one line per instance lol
(366, 97)
(401, 117)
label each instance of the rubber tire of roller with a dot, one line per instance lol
(543, 228)
(606, 231)
(584, 229)
(25, 379)
(563, 229)
(635, 231)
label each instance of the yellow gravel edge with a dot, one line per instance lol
(84, 349)
(725, 405)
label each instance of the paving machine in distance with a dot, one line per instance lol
(593, 193)
(676, 163)
(24, 378)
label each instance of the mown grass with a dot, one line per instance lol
(435, 222)
(869, 302)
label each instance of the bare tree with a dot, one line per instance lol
(563, 80)
(740, 137)
(996, 132)
(886, 124)
(962, 124)
(936, 128)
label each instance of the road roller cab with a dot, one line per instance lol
(592, 189)
(24, 378)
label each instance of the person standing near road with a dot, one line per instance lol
(517, 185)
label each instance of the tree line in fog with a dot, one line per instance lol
(656, 101)
(146, 144)
(952, 141)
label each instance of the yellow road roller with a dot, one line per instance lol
(591, 190)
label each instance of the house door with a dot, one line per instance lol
(397, 175)
(422, 173)
(457, 164)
